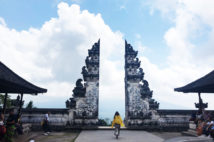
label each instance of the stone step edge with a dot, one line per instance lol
(190, 133)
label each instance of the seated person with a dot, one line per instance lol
(199, 128)
(1, 119)
(212, 131)
(206, 126)
(2, 127)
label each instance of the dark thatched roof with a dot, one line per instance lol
(202, 85)
(10, 82)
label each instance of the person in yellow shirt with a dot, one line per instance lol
(117, 122)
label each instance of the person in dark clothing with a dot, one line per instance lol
(10, 126)
(18, 126)
(46, 126)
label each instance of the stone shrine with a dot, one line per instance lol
(84, 101)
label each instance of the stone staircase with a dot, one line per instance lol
(191, 131)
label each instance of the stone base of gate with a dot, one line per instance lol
(176, 124)
(84, 124)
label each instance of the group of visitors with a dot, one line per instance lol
(10, 127)
(204, 123)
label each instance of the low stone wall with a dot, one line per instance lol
(60, 119)
(166, 120)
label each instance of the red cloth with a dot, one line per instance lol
(2, 131)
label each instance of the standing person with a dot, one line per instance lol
(117, 122)
(18, 125)
(46, 125)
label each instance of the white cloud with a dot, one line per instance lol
(53, 55)
(122, 7)
(187, 60)
(2, 22)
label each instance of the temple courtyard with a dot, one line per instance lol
(107, 136)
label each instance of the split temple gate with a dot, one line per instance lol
(141, 111)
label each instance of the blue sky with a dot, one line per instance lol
(130, 18)
(49, 39)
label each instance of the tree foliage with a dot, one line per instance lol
(104, 122)
(30, 105)
(8, 104)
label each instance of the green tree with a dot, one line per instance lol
(30, 105)
(102, 122)
(8, 104)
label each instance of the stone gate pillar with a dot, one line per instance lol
(139, 105)
(86, 96)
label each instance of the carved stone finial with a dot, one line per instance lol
(145, 90)
(84, 70)
(79, 90)
(79, 83)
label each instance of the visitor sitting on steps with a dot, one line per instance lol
(117, 122)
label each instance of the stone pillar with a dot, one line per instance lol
(86, 96)
(139, 103)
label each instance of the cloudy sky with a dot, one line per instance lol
(46, 42)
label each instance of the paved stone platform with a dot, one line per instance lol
(137, 136)
(106, 135)
(190, 139)
(53, 137)
(125, 136)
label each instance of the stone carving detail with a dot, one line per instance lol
(79, 90)
(71, 103)
(139, 102)
(85, 96)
